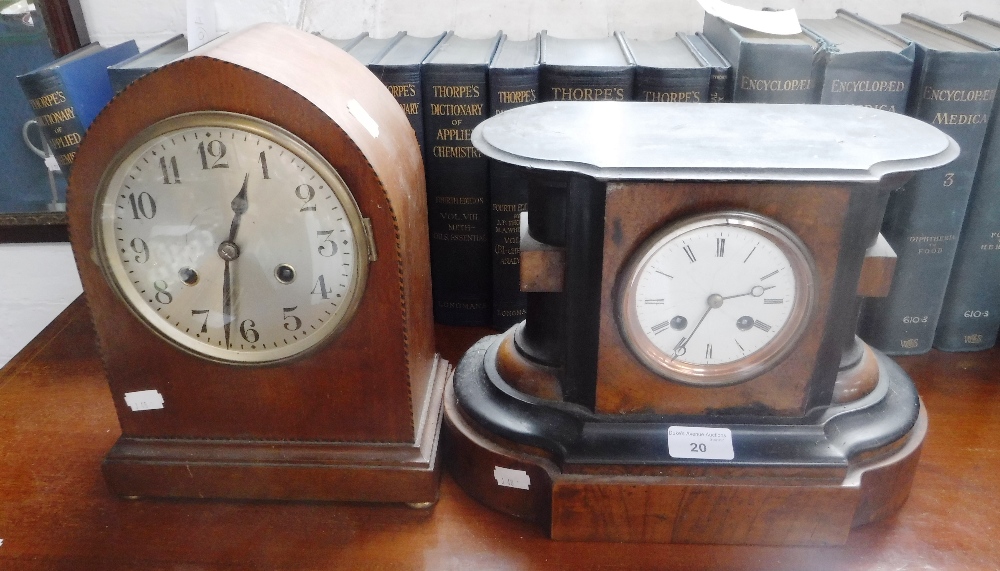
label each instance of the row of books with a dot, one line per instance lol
(944, 225)
(945, 292)
(448, 84)
(945, 75)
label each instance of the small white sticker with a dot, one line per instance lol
(511, 478)
(363, 117)
(144, 400)
(52, 164)
(696, 442)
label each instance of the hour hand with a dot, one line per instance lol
(240, 204)
(755, 291)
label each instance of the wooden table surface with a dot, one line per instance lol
(57, 421)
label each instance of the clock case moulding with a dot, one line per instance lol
(826, 439)
(357, 418)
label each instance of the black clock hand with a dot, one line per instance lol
(240, 204)
(229, 251)
(755, 291)
(714, 301)
(227, 303)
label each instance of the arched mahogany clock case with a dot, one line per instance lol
(355, 416)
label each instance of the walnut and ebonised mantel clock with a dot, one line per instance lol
(250, 227)
(688, 369)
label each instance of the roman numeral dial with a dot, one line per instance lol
(716, 299)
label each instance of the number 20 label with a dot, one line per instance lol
(701, 443)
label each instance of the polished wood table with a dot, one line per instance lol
(57, 421)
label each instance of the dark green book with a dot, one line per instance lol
(585, 69)
(669, 71)
(513, 82)
(125, 72)
(456, 99)
(719, 87)
(954, 86)
(864, 64)
(767, 68)
(970, 314)
(399, 70)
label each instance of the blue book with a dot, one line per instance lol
(68, 93)
(24, 182)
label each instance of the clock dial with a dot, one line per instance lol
(717, 299)
(232, 238)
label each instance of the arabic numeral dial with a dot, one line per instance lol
(232, 238)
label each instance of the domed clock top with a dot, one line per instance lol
(249, 223)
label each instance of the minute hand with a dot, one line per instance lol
(229, 251)
(714, 301)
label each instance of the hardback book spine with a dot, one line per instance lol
(25, 185)
(876, 79)
(66, 98)
(60, 124)
(954, 91)
(404, 82)
(970, 314)
(582, 82)
(763, 71)
(398, 66)
(719, 81)
(654, 84)
(456, 99)
(510, 87)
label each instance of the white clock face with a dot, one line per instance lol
(231, 238)
(717, 299)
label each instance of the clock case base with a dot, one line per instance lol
(598, 478)
(350, 419)
(285, 470)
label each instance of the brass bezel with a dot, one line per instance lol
(114, 271)
(741, 370)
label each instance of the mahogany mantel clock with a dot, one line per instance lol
(250, 228)
(688, 370)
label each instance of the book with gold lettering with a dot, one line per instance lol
(586, 69)
(719, 81)
(954, 88)
(970, 314)
(767, 68)
(66, 95)
(399, 70)
(513, 81)
(669, 71)
(864, 64)
(456, 99)
(26, 184)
